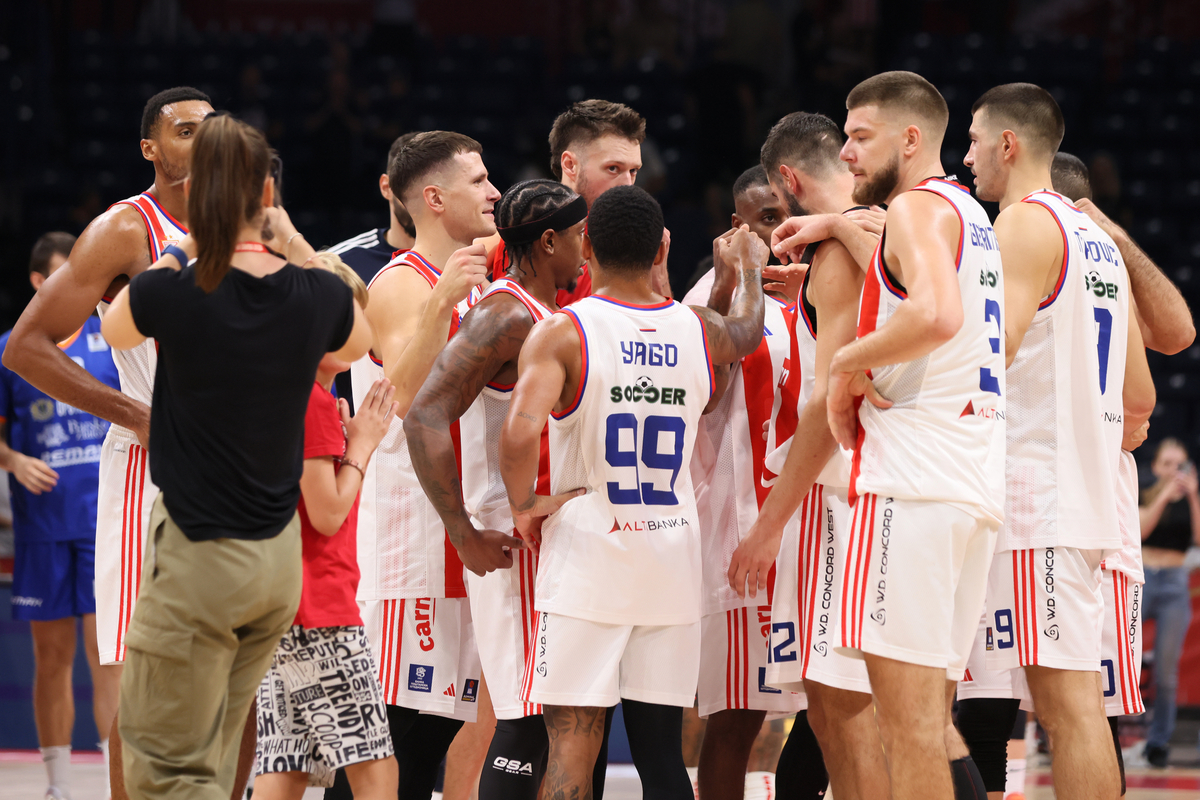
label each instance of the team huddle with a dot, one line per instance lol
(877, 460)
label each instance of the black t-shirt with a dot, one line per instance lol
(235, 370)
(1174, 528)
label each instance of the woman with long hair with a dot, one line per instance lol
(239, 335)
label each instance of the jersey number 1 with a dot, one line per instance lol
(653, 427)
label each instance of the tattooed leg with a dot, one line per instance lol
(575, 737)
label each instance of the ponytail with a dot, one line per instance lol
(230, 161)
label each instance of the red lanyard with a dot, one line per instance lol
(250, 247)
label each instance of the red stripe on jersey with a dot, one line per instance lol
(745, 657)
(760, 398)
(869, 538)
(1062, 273)
(1122, 639)
(788, 417)
(729, 659)
(154, 201)
(124, 591)
(139, 543)
(147, 208)
(848, 573)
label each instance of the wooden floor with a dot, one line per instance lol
(23, 778)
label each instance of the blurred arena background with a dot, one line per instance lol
(333, 82)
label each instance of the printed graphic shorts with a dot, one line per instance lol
(320, 706)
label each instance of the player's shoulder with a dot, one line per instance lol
(501, 307)
(121, 220)
(1027, 217)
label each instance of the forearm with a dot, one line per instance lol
(721, 295)
(859, 242)
(745, 319)
(910, 334)
(1160, 304)
(432, 451)
(43, 364)
(8, 457)
(416, 360)
(519, 448)
(812, 447)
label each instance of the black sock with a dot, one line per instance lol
(986, 725)
(656, 743)
(967, 783)
(516, 760)
(1112, 726)
(801, 772)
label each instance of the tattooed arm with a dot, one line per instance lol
(489, 339)
(734, 336)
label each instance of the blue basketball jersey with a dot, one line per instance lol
(67, 439)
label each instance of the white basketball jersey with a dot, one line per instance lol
(403, 549)
(1065, 412)
(484, 495)
(942, 439)
(628, 552)
(136, 366)
(1129, 558)
(727, 462)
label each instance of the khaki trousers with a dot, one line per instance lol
(207, 621)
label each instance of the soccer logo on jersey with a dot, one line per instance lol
(1095, 284)
(644, 383)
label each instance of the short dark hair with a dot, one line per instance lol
(810, 142)
(1070, 177)
(625, 225)
(1027, 109)
(48, 244)
(755, 176)
(525, 202)
(587, 121)
(424, 153)
(902, 90)
(395, 149)
(152, 113)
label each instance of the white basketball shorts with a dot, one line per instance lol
(733, 665)
(425, 651)
(578, 662)
(1121, 645)
(979, 681)
(503, 615)
(123, 505)
(1047, 607)
(805, 609)
(913, 588)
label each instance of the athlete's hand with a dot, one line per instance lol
(528, 519)
(869, 219)
(465, 269)
(660, 278)
(367, 428)
(142, 428)
(744, 248)
(1134, 438)
(752, 560)
(1099, 217)
(839, 402)
(483, 551)
(33, 473)
(796, 233)
(785, 279)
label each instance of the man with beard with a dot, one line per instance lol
(594, 146)
(927, 476)
(119, 244)
(371, 250)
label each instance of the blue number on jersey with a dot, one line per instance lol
(1103, 337)
(987, 381)
(652, 428)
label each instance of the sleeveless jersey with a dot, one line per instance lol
(942, 439)
(797, 390)
(1065, 413)
(727, 462)
(136, 366)
(403, 549)
(484, 495)
(628, 551)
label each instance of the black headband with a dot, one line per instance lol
(559, 220)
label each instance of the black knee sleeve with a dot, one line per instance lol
(516, 760)
(1112, 726)
(968, 785)
(1018, 731)
(656, 743)
(419, 753)
(801, 772)
(985, 723)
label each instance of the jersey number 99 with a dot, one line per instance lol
(643, 492)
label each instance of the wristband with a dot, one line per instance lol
(350, 462)
(178, 253)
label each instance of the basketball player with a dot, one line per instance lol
(726, 470)
(626, 375)
(928, 459)
(1067, 332)
(120, 243)
(52, 452)
(411, 585)
(371, 250)
(594, 146)
(802, 156)
(541, 223)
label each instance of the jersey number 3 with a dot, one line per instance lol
(653, 427)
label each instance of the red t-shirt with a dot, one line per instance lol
(330, 562)
(583, 286)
